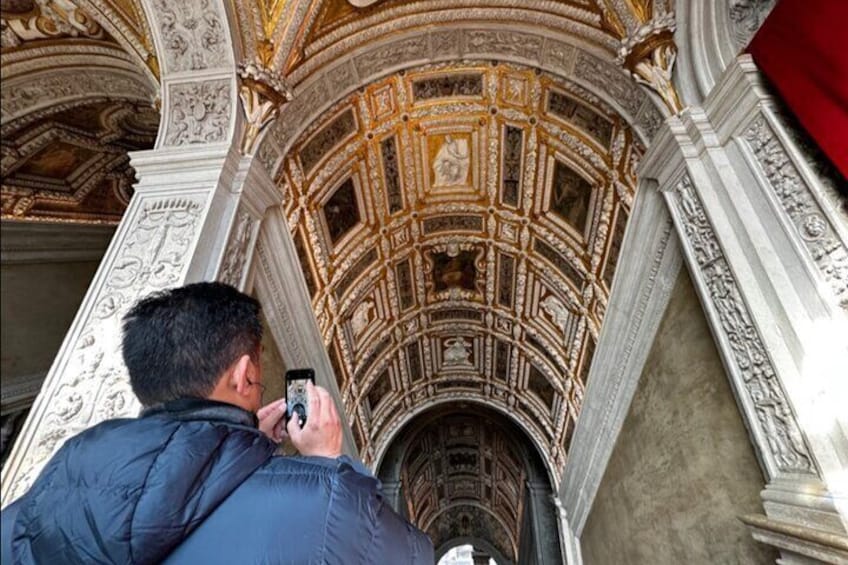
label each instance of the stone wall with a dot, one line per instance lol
(683, 468)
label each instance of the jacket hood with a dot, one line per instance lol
(130, 491)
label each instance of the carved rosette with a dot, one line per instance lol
(199, 112)
(233, 265)
(824, 247)
(781, 444)
(649, 54)
(153, 256)
(262, 95)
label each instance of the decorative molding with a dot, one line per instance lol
(198, 112)
(19, 392)
(25, 93)
(622, 348)
(595, 77)
(88, 383)
(812, 224)
(781, 446)
(49, 19)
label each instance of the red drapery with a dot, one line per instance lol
(802, 48)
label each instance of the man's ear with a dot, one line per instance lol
(241, 375)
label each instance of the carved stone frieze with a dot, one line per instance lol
(823, 244)
(194, 35)
(781, 444)
(153, 256)
(573, 21)
(26, 94)
(199, 112)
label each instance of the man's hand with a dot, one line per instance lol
(272, 420)
(322, 434)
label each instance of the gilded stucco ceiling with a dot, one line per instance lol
(458, 226)
(77, 96)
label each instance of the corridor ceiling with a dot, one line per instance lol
(456, 174)
(458, 226)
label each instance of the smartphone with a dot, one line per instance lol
(297, 402)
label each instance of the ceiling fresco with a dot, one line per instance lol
(458, 227)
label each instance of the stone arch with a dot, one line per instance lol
(484, 472)
(385, 450)
(560, 56)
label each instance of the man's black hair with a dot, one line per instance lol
(178, 342)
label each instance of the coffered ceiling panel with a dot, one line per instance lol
(458, 226)
(78, 93)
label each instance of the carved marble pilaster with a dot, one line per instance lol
(171, 234)
(766, 250)
(570, 543)
(256, 193)
(191, 36)
(649, 266)
(774, 423)
(392, 494)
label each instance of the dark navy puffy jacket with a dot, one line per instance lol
(196, 482)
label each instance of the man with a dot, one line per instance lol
(194, 479)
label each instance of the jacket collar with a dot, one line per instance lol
(202, 409)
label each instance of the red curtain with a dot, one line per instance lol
(802, 48)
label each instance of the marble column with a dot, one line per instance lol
(765, 243)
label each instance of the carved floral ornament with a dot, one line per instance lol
(438, 281)
(649, 56)
(262, 95)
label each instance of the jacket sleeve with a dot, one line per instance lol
(382, 536)
(7, 524)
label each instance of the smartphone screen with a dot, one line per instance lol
(297, 402)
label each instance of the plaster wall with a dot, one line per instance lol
(683, 468)
(39, 301)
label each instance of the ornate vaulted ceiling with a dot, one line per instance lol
(465, 473)
(458, 227)
(78, 87)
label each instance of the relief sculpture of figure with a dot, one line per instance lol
(457, 351)
(452, 162)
